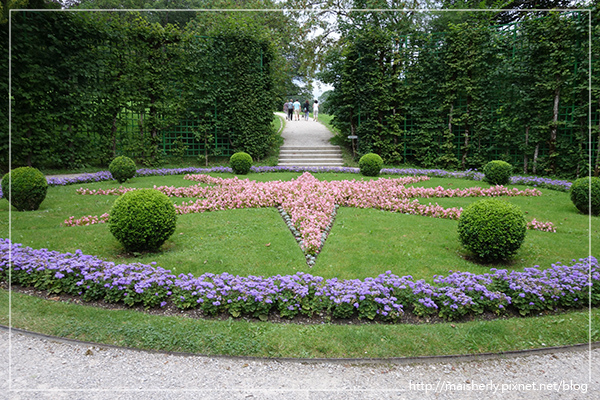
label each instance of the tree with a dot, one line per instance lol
(177, 18)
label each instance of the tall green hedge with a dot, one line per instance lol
(91, 86)
(472, 94)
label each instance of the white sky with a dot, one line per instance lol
(319, 88)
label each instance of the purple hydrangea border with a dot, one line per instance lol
(386, 297)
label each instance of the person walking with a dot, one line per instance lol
(285, 110)
(291, 110)
(306, 109)
(315, 110)
(297, 110)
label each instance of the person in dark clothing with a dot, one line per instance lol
(306, 109)
(291, 110)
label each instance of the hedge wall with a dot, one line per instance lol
(474, 93)
(89, 86)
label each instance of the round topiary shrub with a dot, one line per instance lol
(497, 172)
(492, 229)
(370, 164)
(122, 168)
(142, 220)
(585, 192)
(25, 188)
(240, 163)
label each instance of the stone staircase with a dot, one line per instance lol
(310, 156)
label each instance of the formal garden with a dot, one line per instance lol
(444, 235)
(326, 250)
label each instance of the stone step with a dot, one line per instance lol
(309, 159)
(311, 164)
(312, 150)
(309, 148)
(311, 156)
(304, 156)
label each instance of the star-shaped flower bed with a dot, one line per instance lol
(309, 205)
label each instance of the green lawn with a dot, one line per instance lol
(266, 339)
(362, 243)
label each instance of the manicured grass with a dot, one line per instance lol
(265, 339)
(362, 243)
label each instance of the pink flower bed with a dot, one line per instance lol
(87, 220)
(541, 226)
(311, 203)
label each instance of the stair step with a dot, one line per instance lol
(311, 156)
(304, 156)
(330, 150)
(309, 148)
(311, 164)
(302, 161)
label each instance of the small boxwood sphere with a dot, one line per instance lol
(27, 187)
(370, 164)
(122, 168)
(240, 163)
(581, 190)
(142, 220)
(492, 229)
(497, 172)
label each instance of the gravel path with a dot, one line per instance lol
(45, 368)
(305, 133)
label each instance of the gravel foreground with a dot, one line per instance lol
(46, 368)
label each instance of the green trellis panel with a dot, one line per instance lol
(220, 143)
(566, 131)
(184, 130)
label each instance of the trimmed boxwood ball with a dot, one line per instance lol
(497, 172)
(142, 220)
(580, 193)
(122, 168)
(240, 163)
(370, 164)
(492, 229)
(27, 186)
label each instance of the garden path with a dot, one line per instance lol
(47, 368)
(306, 143)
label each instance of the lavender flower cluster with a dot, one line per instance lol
(556, 184)
(70, 180)
(386, 297)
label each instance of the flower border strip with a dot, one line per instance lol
(386, 297)
(562, 185)
(306, 193)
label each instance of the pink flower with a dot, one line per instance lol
(311, 203)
